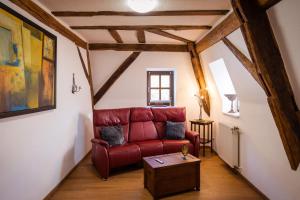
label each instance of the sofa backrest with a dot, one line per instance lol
(111, 117)
(141, 125)
(162, 115)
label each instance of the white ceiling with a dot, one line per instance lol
(130, 36)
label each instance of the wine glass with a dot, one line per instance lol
(184, 151)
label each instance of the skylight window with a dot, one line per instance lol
(230, 102)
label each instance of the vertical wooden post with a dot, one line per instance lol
(140, 34)
(199, 76)
(90, 77)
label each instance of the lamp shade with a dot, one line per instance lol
(142, 6)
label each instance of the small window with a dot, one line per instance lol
(231, 104)
(160, 88)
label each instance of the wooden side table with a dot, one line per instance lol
(196, 126)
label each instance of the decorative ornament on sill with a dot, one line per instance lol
(142, 6)
(75, 88)
(232, 98)
(200, 102)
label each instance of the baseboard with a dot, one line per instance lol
(251, 185)
(246, 180)
(50, 194)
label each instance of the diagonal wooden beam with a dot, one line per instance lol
(198, 71)
(152, 13)
(265, 53)
(227, 26)
(139, 47)
(87, 72)
(115, 76)
(140, 34)
(144, 27)
(250, 67)
(115, 35)
(168, 35)
(83, 64)
(266, 4)
(46, 18)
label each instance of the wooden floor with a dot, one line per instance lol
(217, 182)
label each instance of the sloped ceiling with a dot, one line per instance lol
(102, 36)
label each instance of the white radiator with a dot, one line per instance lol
(228, 145)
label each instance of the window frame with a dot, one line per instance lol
(171, 88)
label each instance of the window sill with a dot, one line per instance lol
(234, 115)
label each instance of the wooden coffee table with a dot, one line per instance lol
(173, 176)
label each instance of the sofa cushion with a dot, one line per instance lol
(141, 131)
(174, 114)
(175, 130)
(141, 115)
(142, 127)
(113, 135)
(162, 115)
(173, 146)
(111, 117)
(151, 147)
(124, 155)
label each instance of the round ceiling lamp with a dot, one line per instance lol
(142, 6)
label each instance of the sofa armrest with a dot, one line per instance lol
(100, 157)
(101, 142)
(192, 136)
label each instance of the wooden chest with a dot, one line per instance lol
(173, 176)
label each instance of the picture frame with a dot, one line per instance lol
(28, 65)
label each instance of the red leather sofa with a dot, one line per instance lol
(143, 130)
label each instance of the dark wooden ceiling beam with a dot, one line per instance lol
(115, 35)
(140, 34)
(227, 26)
(139, 47)
(144, 27)
(266, 4)
(136, 14)
(115, 76)
(44, 17)
(198, 71)
(168, 35)
(265, 53)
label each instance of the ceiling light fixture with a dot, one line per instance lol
(142, 6)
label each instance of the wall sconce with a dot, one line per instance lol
(75, 88)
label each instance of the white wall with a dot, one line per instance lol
(263, 159)
(38, 150)
(131, 88)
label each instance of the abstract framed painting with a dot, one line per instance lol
(27, 65)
